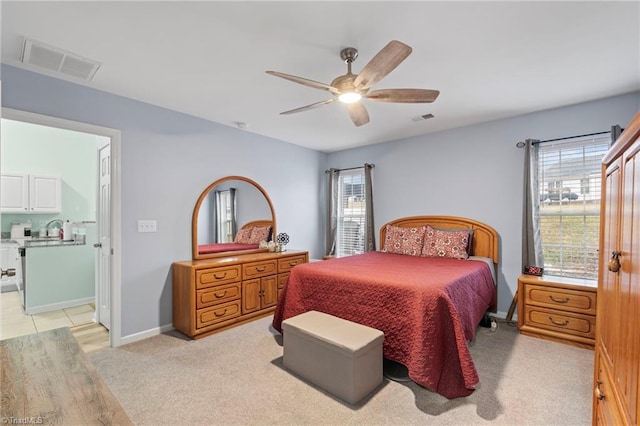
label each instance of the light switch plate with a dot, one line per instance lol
(147, 226)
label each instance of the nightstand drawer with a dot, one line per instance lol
(564, 299)
(562, 322)
(215, 276)
(259, 269)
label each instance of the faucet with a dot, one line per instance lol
(55, 220)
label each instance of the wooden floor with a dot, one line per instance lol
(47, 378)
(91, 337)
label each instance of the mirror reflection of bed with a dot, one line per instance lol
(225, 210)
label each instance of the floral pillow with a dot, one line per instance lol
(243, 236)
(259, 233)
(404, 240)
(439, 243)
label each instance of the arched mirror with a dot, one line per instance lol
(232, 216)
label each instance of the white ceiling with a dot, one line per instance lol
(208, 59)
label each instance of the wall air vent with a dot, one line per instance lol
(54, 59)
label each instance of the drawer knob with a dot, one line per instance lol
(614, 262)
(224, 293)
(565, 300)
(224, 274)
(218, 314)
(561, 324)
(292, 264)
(261, 268)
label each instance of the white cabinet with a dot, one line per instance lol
(44, 194)
(14, 195)
(10, 259)
(24, 193)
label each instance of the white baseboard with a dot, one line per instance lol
(145, 334)
(61, 305)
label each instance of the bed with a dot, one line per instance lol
(427, 307)
(244, 243)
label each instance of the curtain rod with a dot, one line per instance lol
(571, 137)
(371, 165)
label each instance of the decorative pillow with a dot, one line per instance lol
(469, 230)
(243, 236)
(439, 243)
(404, 240)
(259, 233)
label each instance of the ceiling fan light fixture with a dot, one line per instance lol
(349, 97)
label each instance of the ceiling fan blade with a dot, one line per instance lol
(304, 81)
(382, 64)
(308, 107)
(358, 113)
(407, 96)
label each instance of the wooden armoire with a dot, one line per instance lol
(617, 352)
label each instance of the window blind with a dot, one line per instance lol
(569, 180)
(351, 212)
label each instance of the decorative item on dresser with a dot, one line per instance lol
(616, 397)
(210, 295)
(557, 308)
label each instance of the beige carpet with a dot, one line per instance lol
(236, 378)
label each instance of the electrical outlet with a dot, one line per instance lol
(147, 226)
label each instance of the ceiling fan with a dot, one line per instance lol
(351, 88)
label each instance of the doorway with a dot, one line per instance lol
(108, 280)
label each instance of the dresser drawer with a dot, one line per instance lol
(285, 265)
(259, 269)
(562, 322)
(560, 298)
(217, 313)
(215, 276)
(216, 295)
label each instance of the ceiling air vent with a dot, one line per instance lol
(54, 59)
(423, 117)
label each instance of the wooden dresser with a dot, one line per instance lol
(214, 294)
(558, 309)
(616, 383)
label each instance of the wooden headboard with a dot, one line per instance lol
(259, 222)
(485, 238)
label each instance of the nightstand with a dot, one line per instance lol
(558, 308)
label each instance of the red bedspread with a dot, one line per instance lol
(428, 308)
(222, 247)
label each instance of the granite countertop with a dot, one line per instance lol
(51, 243)
(42, 242)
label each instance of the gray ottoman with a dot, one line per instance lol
(342, 357)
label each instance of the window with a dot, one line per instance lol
(351, 212)
(225, 216)
(569, 184)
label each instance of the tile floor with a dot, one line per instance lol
(14, 322)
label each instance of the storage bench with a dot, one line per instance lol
(342, 357)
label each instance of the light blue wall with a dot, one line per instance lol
(29, 148)
(168, 158)
(476, 171)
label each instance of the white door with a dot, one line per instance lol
(103, 245)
